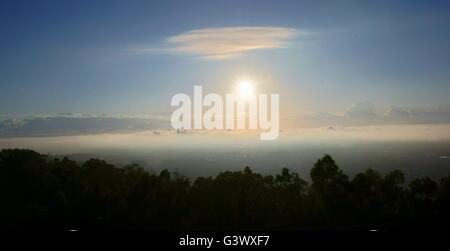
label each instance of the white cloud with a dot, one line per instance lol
(361, 109)
(397, 112)
(226, 42)
(364, 113)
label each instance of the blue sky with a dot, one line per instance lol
(79, 57)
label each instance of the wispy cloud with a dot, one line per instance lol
(226, 42)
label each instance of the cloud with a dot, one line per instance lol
(358, 114)
(397, 112)
(226, 42)
(364, 114)
(361, 109)
(73, 124)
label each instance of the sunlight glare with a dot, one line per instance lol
(245, 89)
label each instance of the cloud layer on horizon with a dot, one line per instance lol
(358, 114)
(75, 124)
(365, 114)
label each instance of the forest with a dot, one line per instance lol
(40, 192)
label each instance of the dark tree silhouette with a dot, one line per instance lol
(39, 192)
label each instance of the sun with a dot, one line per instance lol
(245, 89)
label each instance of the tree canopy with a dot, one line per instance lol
(40, 192)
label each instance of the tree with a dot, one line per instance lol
(37, 191)
(329, 193)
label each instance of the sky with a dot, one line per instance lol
(334, 63)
